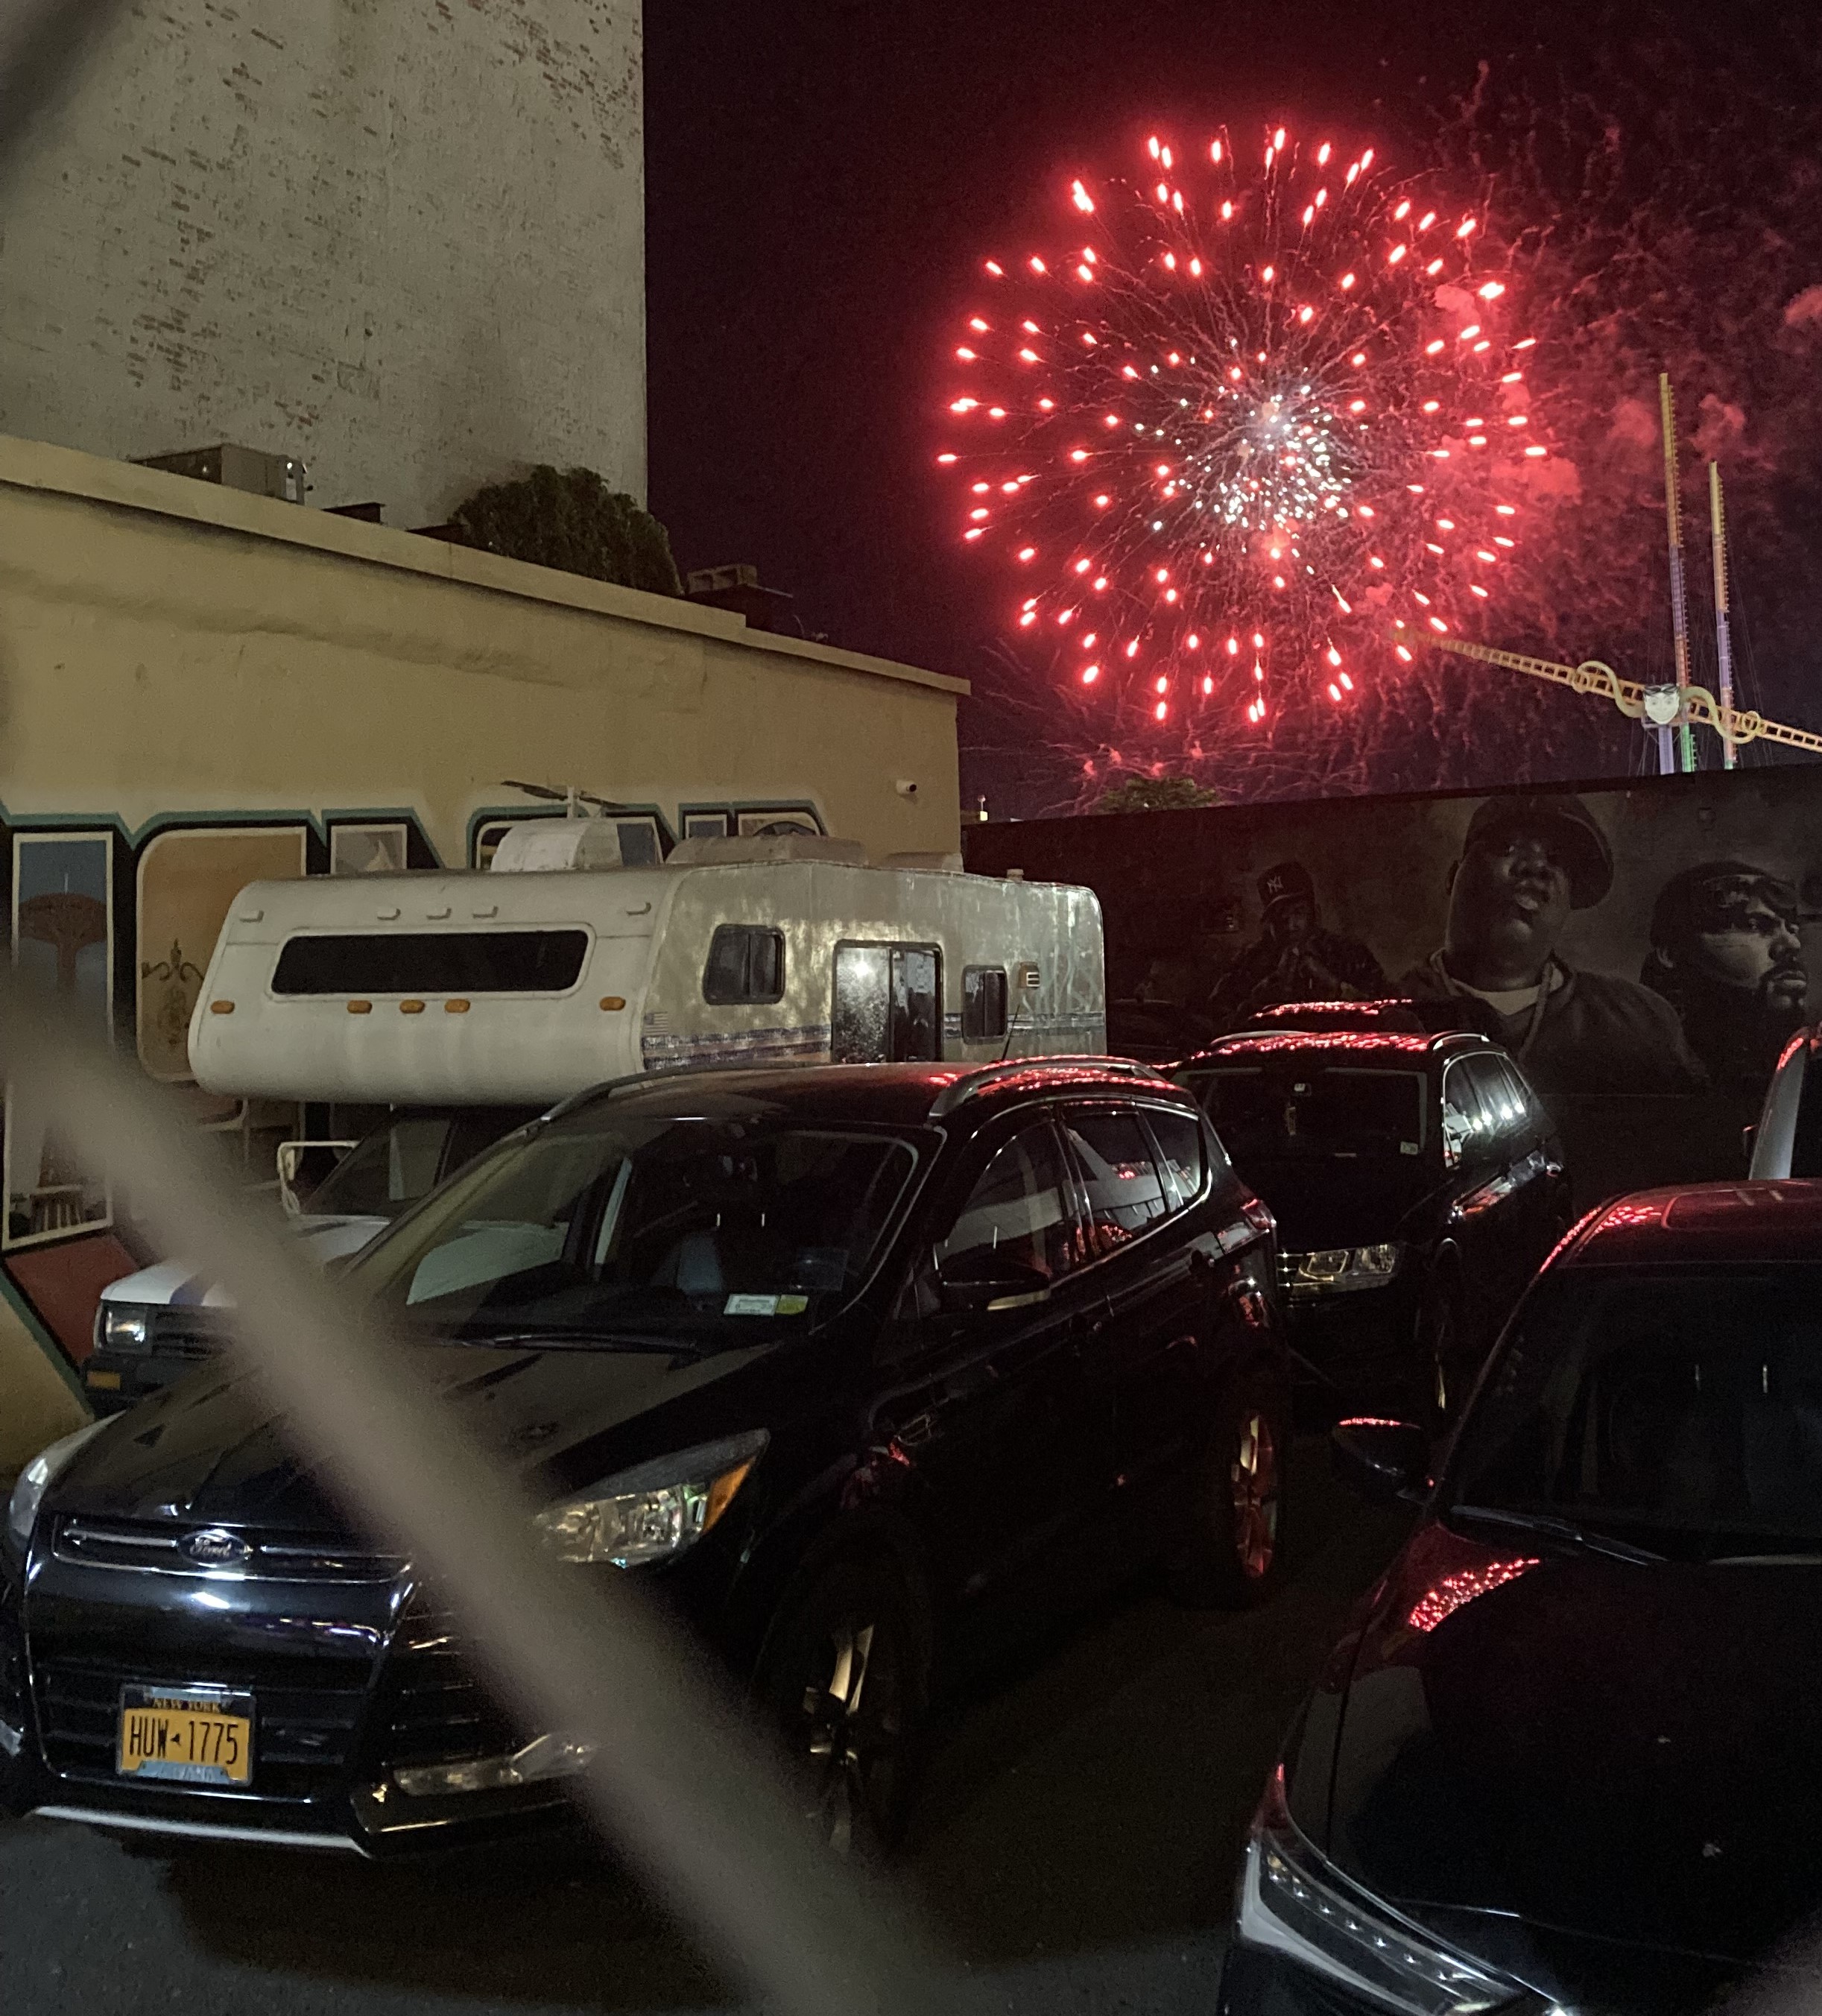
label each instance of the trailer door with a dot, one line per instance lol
(888, 1004)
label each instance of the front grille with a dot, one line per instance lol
(190, 1333)
(11, 1675)
(436, 1711)
(304, 1732)
(151, 1545)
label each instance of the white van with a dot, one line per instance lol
(510, 985)
(468, 1003)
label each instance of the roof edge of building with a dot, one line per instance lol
(125, 486)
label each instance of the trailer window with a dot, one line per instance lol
(432, 962)
(745, 964)
(983, 1003)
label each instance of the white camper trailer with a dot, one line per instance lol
(517, 984)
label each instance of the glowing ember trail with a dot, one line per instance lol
(1261, 410)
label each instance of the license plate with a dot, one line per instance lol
(195, 1736)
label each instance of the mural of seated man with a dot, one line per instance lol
(1526, 863)
(1727, 954)
(1294, 958)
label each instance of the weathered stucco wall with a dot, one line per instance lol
(402, 238)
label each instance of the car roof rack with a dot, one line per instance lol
(985, 1077)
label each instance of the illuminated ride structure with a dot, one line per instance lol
(1673, 711)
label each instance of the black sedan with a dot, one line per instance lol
(1565, 1757)
(1418, 1184)
(849, 1365)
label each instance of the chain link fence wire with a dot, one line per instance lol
(678, 1781)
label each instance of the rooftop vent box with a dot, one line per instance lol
(249, 469)
(544, 846)
(737, 588)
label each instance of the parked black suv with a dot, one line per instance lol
(1418, 1185)
(845, 1361)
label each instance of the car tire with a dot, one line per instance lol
(845, 1679)
(1233, 1557)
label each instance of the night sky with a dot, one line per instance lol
(823, 176)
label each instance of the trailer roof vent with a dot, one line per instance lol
(546, 845)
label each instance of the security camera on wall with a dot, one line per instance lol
(907, 787)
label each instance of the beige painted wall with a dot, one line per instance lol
(167, 645)
(36, 1403)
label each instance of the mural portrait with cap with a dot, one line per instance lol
(1294, 957)
(1527, 861)
(1727, 954)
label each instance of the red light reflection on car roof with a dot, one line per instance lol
(1366, 1041)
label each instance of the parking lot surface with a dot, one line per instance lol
(1074, 1846)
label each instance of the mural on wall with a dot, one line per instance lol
(1656, 939)
(63, 940)
(186, 881)
(368, 850)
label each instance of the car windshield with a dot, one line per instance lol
(1680, 1411)
(1312, 1111)
(601, 1223)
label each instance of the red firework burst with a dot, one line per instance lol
(1257, 420)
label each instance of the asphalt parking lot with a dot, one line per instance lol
(1075, 1845)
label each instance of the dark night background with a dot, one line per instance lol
(823, 176)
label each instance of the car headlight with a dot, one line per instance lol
(34, 1480)
(655, 1512)
(122, 1327)
(1337, 1269)
(1294, 1903)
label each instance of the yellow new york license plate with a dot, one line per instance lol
(194, 1736)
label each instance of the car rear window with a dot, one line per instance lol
(1314, 1112)
(538, 961)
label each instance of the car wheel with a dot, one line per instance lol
(845, 1677)
(1233, 1556)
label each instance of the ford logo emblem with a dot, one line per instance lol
(215, 1547)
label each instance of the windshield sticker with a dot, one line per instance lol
(766, 1305)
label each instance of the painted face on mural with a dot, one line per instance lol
(1290, 921)
(1754, 945)
(1507, 908)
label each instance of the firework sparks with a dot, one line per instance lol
(1244, 427)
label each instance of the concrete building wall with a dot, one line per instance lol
(199, 689)
(403, 239)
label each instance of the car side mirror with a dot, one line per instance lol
(1748, 1135)
(987, 1278)
(1382, 1460)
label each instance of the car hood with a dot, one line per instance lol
(1583, 1765)
(212, 1449)
(1322, 1204)
(176, 1284)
